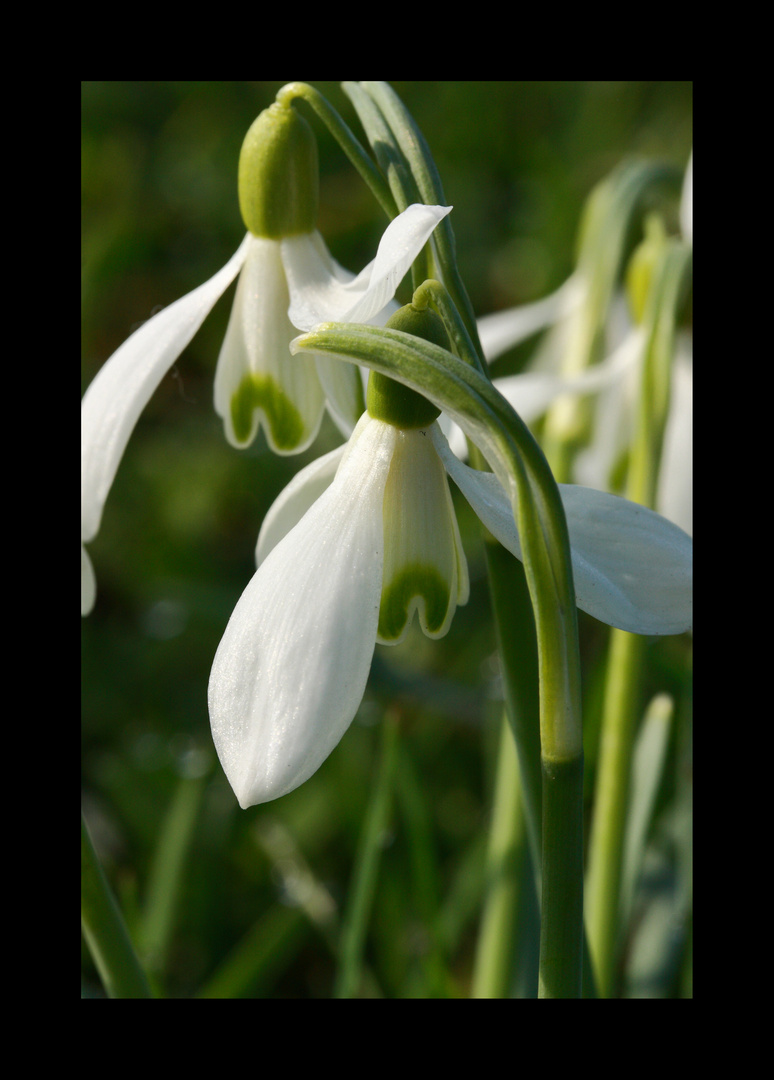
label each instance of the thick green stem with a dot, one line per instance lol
(561, 929)
(611, 799)
(105, 930)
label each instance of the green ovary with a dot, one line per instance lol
(286, 426)
(411, 583)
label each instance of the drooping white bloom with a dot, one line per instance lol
(359, 541)
(289, 285)
(379, 543)
(612, 386)
(256, 376)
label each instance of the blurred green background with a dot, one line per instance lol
(248, 903)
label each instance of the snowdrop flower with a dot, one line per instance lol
(363, 539)
(285, 274)
(611, 386)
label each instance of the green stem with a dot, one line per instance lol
(346, 140)
(611, 799)
(356, 918)
(105, 930)
(413, 147)
(166, 878)
(622, 692)
(504, 895)
(517, 648)
(561, 928)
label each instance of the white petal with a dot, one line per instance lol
(531, 392)
(686, 203)
(614, 413)
(88, 583)
(124, 385)
(291, 670)
(318, 295)
(675, 488)
(295, 499)
(343, 388)
(425, 569)
(502, 330)
(257, 381)
(632, 568)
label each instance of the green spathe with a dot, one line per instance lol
(392, 402)
(263, 392)
(279, 175)
(415, 585)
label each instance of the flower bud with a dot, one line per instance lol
(639, 272)
(393, 402)
(279, 175)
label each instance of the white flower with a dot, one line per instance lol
(257, 381)
(359, 541)
(289, 285)
(613, 385)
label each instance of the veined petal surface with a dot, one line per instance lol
(125, 383)
(318, 295)
(291, 670)
(425, 569)
(298, 496)
(257, 382)
(632, 568)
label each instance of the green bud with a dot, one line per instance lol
(639, 272)
(393, 402)
(279, 175)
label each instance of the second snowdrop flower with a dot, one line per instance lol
(288, 281)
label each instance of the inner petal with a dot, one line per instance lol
(424, 567)
(257, 381)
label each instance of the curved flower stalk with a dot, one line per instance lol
(358, 542)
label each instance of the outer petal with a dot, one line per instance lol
(125, 383)
(257, 382)
(319, 296)
(88, 583)
(632, 568)
(291, 669)
(295, 499)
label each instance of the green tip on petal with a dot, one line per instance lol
(284, 421)
(421, 587)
